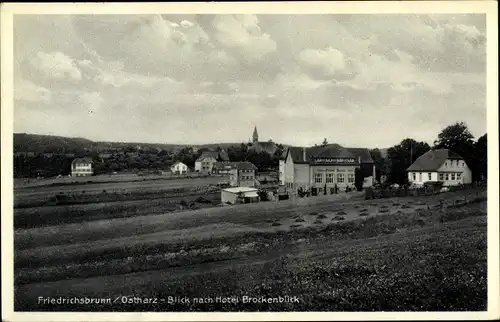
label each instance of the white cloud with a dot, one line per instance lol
(56, 65)
(25, 90)
(242, 33)
(186, 24)
(329, 60)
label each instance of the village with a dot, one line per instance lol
(250, 163)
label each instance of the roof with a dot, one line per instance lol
(433, 160)
(82, 160)
(328, 151)
(220, 156)
(363, 153)
(245, 166)
(269, 147)
(176, 163)
(222, 165)
(240, 189)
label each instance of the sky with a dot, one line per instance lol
(356, 80)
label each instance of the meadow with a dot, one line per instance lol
(340, 253)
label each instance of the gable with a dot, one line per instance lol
(432, 160)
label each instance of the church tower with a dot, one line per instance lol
(255, 136)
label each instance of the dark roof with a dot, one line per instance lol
(326, 151)
(245, 166)
(363, 153)
(269, 147)
(433, 160)
(219, 156)
(222, 165)
(82, 160)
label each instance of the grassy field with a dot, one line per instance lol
(52, 205)
(425, 253)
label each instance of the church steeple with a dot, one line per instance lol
(255, 136)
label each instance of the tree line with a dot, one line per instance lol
(131, 159)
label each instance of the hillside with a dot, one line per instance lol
(58, 144)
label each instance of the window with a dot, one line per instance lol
(446, 163)
(463, 164)
(350, 178)
(420, 176)
(459, 176)
(429, 175)
(453, 176)
(446, 177)
(332, 191)
(414, 176)
(340, 177)
(329, 178)
(441, 176)
(318, 178)
(320, 190)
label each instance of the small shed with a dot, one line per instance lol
(239, 195)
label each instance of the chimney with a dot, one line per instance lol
(304, 154)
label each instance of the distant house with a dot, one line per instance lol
(239, 195)
(243, 174)
(179, 168)
(224, 167)
(207, 160)
(81, 167)
(269, 147)
(441, 165)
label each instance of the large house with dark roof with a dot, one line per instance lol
(207, 160)
(319, 169)
(441, 165)
(269, 147)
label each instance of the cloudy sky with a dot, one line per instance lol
(358, 80)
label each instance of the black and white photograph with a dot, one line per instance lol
(307, 160)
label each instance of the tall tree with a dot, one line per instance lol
(458, 138)
(379, 162)
(401, 156)
(481, 153)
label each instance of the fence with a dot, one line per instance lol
(405, 191)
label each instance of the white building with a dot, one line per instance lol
(207, 160)
(320, 169)
(282, 172)
(81, 167)
(239, 195)
(441, 165)
(179, 168)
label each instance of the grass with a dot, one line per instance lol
(429, 269)
(370, 254)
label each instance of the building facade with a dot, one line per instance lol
(239, 195)
(207, 160)
(323, 169)
(179, 168)
(81, 167)
(243, 174)
(439, 165)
